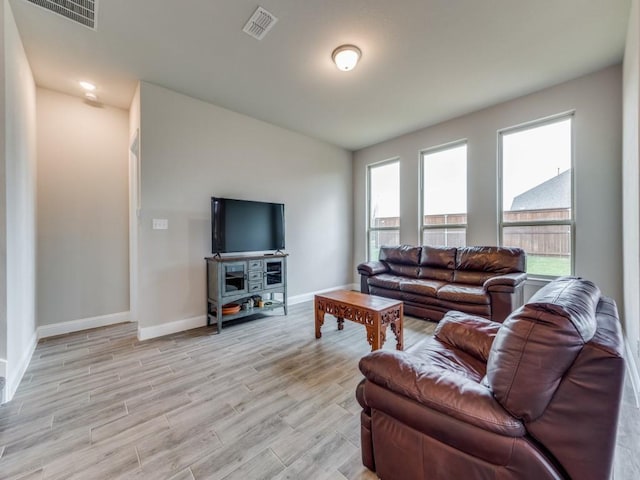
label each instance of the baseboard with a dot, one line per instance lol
(306, 297)
(145, 333)
(632, 369)
(13, 380)
(71, 326)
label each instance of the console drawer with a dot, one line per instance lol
(255, 265)
(254, 287)
(255, 276)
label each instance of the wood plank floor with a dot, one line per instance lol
(263, 400)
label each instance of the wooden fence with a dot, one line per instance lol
(545, 240)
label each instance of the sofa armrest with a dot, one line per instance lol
(368, 269)
(444, 391)
(372, 268)
(469, 333)
(360, 396)
(508, 280)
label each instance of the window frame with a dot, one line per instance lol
(422, 227)
(370, 229)
(571, 222)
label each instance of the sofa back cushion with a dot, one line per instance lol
(538, 343)
(438, 257)
(437, 263)
(402, 260)
(475, 265)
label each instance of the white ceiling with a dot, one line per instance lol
(424, 61)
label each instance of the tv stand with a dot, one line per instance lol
(239, 279)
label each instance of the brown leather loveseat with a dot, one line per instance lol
(536, 397)
(484, 281)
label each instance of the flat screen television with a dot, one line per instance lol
(246, 226)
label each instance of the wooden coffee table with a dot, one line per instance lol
(375, 313)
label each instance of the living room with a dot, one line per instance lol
(69, 261)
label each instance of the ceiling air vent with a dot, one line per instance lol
(80, 11)
(259, 24)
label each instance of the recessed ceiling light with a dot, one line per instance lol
(87, 86)
(346, 57)
(91, 96)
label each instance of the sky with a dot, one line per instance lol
(531, 157)
(445, 188)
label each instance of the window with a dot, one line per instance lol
(444, 195)
(537, 194)
(383, 226)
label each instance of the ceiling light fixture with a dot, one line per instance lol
(87, 86)
(91, 96)
(346, 57)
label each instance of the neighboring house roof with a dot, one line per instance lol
(554, 193)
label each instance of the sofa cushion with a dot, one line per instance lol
(409, 271)
(458, 292)
(472, 277)
(442, 380)
(438, 257)
(497, 260)
(433, 303)
(537, 344)
(443, 274)
(421, 287)
(405, 254)
(386, 280)
(434, 353)
(469, 333)
(420, 298)
(387, 292)
(401, 260)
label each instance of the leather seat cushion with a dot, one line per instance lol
(463, 293)
(396, 294)
(386, 280)
(422, 287)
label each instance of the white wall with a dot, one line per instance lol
(19, 112)
(596, 101)
(192, 150)
(631, 182)
(83, 229)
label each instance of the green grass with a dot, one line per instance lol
(545, 265)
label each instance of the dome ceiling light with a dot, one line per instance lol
(346, 57)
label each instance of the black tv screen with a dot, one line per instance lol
(246, 226)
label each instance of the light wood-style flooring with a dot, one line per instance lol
(262, 400)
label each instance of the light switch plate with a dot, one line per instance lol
(160, 224)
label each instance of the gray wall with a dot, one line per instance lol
(19, 329)
(192, 150)
(631, 182)
(3, 208)
(83, 230)
(596, 101)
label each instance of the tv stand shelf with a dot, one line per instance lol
(238, 279)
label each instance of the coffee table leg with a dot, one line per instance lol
(319, 320)
(373, 334)
(396, 328)
(340, 323)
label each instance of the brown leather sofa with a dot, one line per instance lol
(484, 281)
(536, 397)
